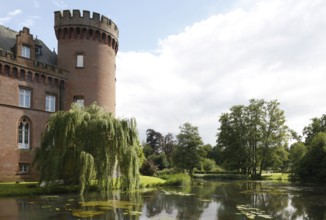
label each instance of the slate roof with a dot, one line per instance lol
(8, 41)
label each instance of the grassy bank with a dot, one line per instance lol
(11, 189)
(234, 176)
(276, 176)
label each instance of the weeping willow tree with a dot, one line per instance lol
(88, 143)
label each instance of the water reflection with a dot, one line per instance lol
(203, 200)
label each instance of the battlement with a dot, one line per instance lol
(69, 18)
(8, 57)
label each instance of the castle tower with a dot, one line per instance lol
(87, 48)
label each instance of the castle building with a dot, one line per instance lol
(35, 82)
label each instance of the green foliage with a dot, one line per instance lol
(208, 164)
(155, 140)
(187, 154)
(148, 168)
(83, 143)
(159, 160)
(312, 166)
(253, 137)
(317, 125)
(297, 152)
(179, 179)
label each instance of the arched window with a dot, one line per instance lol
(24, 131)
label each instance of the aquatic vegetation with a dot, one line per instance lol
(251, 212)
(86, 213)
(177, 193)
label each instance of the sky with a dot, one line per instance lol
(190, 61)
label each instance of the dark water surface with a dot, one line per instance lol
(204, 200)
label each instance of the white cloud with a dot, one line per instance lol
(36, 4)
(30, 21)
(10, 15)
(263, 49)
(59, 3)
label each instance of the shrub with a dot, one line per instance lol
(148, 168)
(208, 164)
(179, 179)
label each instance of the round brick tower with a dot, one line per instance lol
(87, 48)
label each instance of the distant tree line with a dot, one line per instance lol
(250, 139)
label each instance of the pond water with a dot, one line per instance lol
(204, 200)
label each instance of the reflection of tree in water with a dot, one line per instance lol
(135, 198)
(274, 198)
(187, 206)
(310, 203)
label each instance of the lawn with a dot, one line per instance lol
(8, 189)
(276, 176)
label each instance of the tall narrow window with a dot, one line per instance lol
(79, 100)
(50, 103)
(24, 97)
(24, 134)
(80, 61)
(26, 51)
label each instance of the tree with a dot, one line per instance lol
(312, 166)
(169, 146)
(297, 152)
(155, 140)
(88, 143)
(253, 137)
(317, 125)
(187, 155)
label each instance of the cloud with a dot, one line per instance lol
(36, 4)
(261, 49)
(10, 15)
(59, 3)
(30, 21)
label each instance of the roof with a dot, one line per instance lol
(8, 42)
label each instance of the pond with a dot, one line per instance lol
(203, 200)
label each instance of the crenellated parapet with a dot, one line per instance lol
(76, 25)
(31, 71)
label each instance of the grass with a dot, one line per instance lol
(150, 181)
(21, 189)
(276, 176)
(10, 189)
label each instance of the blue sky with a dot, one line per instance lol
(190, 61)
(141, 22)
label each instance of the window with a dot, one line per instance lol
(79, 100)
(37, 50)
(24, 97)
(23, 134)
(50, 103)
(80, 61)
(23, 168)
(26, 52)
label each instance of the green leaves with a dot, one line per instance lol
(87, 143)
(249, 134)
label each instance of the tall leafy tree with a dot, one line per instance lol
(317, 125)
(252, 137)
(155, 140)
(187, 154)
(169, 146)
(312, 166)
(89, 143)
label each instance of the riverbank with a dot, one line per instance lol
(235, 176)
(11, 189)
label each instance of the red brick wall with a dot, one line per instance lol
(10, 114)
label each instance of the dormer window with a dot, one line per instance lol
(38, 50)
(26, 51)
